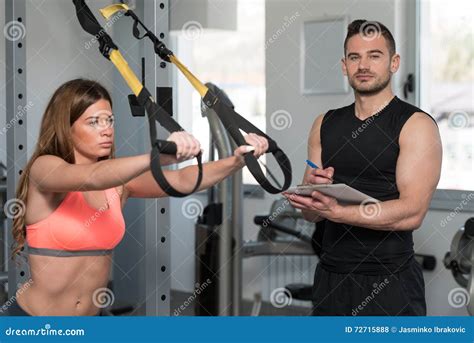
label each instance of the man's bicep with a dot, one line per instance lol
(419, 162)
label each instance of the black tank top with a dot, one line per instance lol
(364, 155)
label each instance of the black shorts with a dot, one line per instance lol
(398, 294)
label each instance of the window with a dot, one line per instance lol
(446, 86)
(232, 60)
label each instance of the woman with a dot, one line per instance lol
(74, 190)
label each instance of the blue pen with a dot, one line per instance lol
(314, 166)
(311, 164)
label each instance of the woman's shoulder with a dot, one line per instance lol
(44, 163)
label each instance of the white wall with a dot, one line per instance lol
(57, 52)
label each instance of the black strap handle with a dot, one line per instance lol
(155, 112)
(231, 120)
(233, 123)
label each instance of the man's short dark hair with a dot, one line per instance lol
(370, 29)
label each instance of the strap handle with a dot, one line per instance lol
(155, 113)
(232, 121)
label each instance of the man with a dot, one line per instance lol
(390, 150)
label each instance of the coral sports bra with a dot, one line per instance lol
(77, 229)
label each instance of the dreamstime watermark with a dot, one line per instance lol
(370, 209)
(14, 208)
(197, 291)
(364, 125)
(458, 297)
(72, 240)
(458, 120)
(21, 112)
(370, 30)
(12, 300)
(102, 32)
(192, 30)
(92, 219)
(287, 22)
(191, 208)
(46, 331)
(281, 120)
(281, 297)
(457, 209)
(14, 30)
(276, 212)
(377, 289)
(368, 121)
(103, 297)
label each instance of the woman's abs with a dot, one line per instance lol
(66, 286)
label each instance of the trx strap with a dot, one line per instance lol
(232, 121)
(155, 112)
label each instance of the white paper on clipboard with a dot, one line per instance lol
(342, 192)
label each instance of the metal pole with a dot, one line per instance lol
(225, 263)
(157, 218)
(237, 230)
(15, 65)
(230, 195)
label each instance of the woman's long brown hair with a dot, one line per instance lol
(67, 104)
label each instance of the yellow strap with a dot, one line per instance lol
(198, 85)
(117, 58)
(109, 11)
(126, 72)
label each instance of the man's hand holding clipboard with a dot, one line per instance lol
(322, 196)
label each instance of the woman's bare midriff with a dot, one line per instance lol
(65, 286)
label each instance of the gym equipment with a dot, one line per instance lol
(142, 98)
(3, 225)
(16, 97)
(460, 260)
(232, 121)
(217, 239)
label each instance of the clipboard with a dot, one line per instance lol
(342, 192)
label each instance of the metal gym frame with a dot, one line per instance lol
(156, 291)
(15, 73)
(157, 219)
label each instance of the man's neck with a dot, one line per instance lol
(368, 105)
